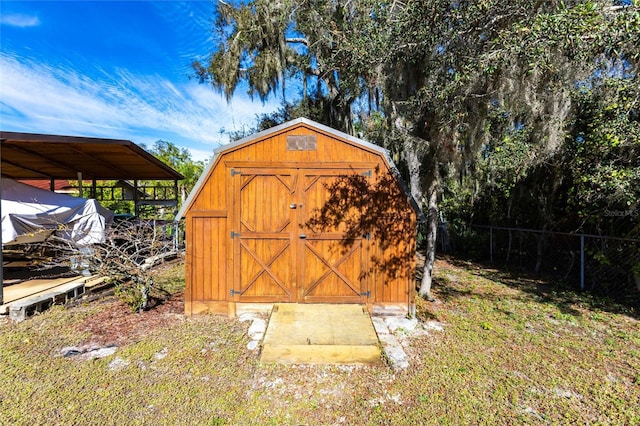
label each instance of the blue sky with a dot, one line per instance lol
(115, 69)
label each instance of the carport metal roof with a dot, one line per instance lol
(36, 156)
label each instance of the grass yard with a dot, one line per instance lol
(513, 351)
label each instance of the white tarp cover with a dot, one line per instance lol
(31, 215)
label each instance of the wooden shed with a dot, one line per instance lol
(299, 213)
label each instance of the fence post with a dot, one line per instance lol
(581, 262)
(491, 244)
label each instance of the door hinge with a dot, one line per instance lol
(233, 292)
(367, 173)
(234, 234)
(235, 172)
(366, 293)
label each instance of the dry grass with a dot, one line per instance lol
(513, 351)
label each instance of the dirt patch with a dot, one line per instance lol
(116, 324)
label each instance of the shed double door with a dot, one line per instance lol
(277, 257)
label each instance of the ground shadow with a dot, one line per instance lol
(542, 289)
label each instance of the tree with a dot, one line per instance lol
(436, 92)
(179, 159)
(266, 43)
(603, 158)
(488, 85)
(338, 46)
(452, 88)
(568, 80)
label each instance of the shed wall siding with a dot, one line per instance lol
(391, 284)
(207, 250)
(213, 194)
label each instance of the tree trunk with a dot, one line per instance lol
(414, 164)
(183, 194)
(413, 157)
(540, 249)
(432, 232)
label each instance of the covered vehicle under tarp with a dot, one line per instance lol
(32, 215)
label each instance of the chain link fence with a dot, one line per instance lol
(606, 266)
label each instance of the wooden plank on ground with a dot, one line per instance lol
(31, 288)
(94, 281)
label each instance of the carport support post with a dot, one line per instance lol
(135, 198)
(80, 184)
(1, 279)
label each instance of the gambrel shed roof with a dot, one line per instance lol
(284, 127)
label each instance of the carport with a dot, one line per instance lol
(28, 156)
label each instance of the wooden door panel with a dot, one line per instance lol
(262, 236)
(332, 261)
(332, 270)
(265, 269)
(316, 195)
(264, 203)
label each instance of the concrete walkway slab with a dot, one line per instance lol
(320, 334)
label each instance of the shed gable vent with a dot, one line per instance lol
(302, 143)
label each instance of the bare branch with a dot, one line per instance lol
(617, 8)
(129, 252)
(300, 40)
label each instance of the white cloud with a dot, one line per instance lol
(41, 98)
(19, 20)
(200, 155)
(191, 24)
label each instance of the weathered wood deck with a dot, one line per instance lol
(35, 291)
